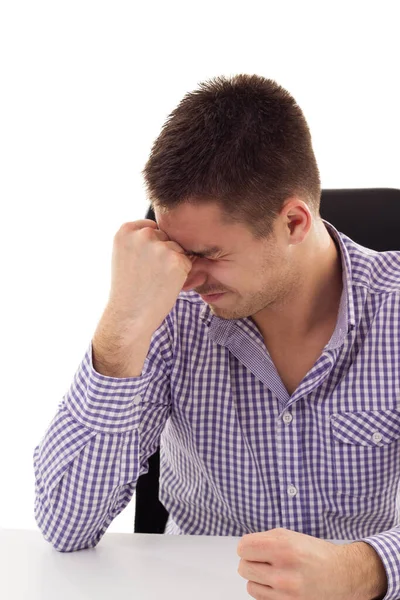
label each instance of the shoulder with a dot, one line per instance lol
(377, 271)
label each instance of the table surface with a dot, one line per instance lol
(132, 566)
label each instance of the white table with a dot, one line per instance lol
(123, 566)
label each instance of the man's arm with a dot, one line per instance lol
(303, 567)
(96, 447)
(369, 573)
(387, 547)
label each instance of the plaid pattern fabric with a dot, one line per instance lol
(238, 454)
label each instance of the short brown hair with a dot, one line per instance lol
(241, 142)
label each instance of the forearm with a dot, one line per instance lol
(367, 569)
(90, 458)
(78, 474)
(119, 351)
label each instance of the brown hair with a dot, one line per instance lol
(240, 142)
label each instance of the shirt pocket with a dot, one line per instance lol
(366, 451)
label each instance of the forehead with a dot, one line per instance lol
(200, 229)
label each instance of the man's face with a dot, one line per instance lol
(253, 274)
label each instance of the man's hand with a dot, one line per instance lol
(281, 564)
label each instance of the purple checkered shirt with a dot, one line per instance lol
(238, 453)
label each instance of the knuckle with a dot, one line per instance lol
(146, 232)
(175, 260)
(290, 585)
(162, 252)
(294, 586)
(279, 581)
(251, 589)
(125, 228)
(123, 232)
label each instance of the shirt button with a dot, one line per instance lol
(292, 490)
(287, 417)
(137, 400)
(377, 437)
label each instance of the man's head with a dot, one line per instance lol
(234, 167)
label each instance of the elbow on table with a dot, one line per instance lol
(66, 545)
(67, 541)
(67, 538)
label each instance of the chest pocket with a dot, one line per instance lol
(366, 451)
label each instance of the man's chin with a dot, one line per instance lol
(228, 315)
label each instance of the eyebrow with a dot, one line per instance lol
(211, 251)
(206, 252)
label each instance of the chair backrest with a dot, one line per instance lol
(370, 217)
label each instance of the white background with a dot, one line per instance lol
(85, 89)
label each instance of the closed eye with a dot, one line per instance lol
(200, 256)
(210, 258)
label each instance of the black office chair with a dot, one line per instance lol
(370, 217)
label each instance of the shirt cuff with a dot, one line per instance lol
(387, 546)
(106, 404)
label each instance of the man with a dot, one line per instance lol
(259, 345)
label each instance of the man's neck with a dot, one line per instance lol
(313, 305)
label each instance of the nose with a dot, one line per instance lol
(196, 277)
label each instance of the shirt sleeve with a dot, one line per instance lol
(98, 444)
(387, 546)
